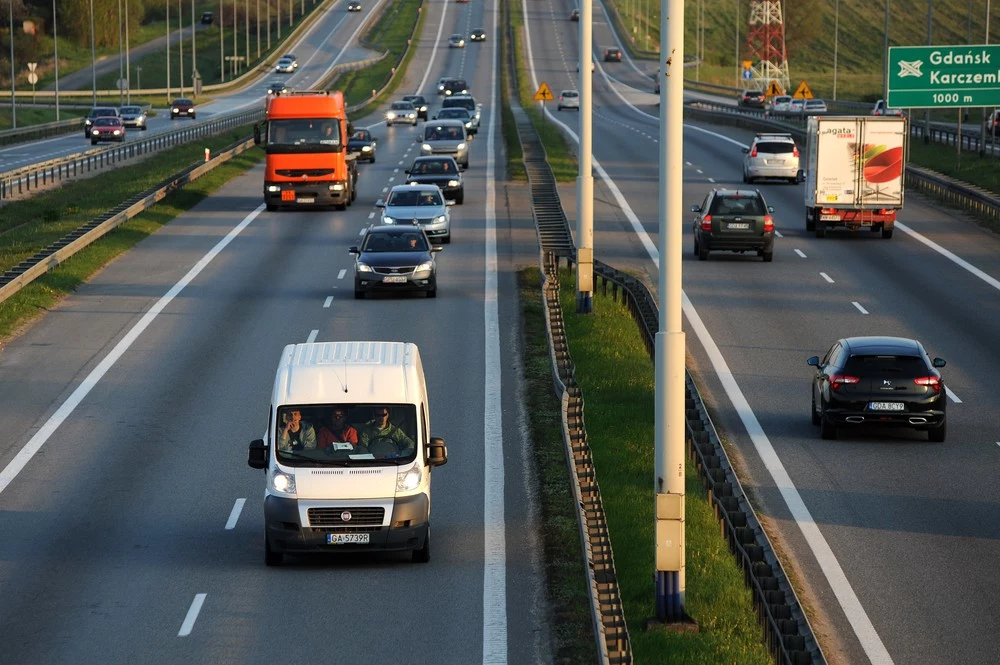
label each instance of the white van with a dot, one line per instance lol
(348, 452)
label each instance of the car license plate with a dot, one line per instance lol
(394, 279)
(306, 199)
(347, 538)
(829, 218)
(886, 406)
(738, 226)
(287, 195)
(776, 162)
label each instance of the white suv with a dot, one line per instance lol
(772, 155)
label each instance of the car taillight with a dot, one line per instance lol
(706, 223)
(931, 381)
(560, 98)
(838, 380)
(753, 152)
(795, 152)
(768, 223)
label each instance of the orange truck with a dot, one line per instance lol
(304, 136)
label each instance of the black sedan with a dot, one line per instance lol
(478, 35)
(880, 382)
(420, 103)
(354, 7)
(395, 257)
(363, 143)
(440, 170)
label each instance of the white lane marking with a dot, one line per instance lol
(800, 253)
(494, 527)
(777, 234)
(711, 179)
(400, 163)
(828, 563)
(688, 164)
(312, 336)
(340, 275)
(327, 302)
(385, 189)
(36, 442)
(370, 215)
(826, 277)
(699, 171)
(859, 307)
(953, 396)
(397, 170)
(192, 615)
(950, 256)
(362, 231)
(392, 178)
(234, 516)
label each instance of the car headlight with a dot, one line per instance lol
(95, 132)
(362, 267)
(388, 220)
(468, 125)
(336, 187)
(273, 188)
(453, 183)
(423, 109)
(390, 115)
(88, 122)
(409, 479)
(426, 146)
(424, 267)
(283, 483)
(462, 146)
(270, 92)
(366, 148)
(440, 219)
(117, 132)
(175, 110)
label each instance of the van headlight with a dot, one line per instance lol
(283, 483)
(366, 148)
(426, 146)
(336, 187)
(462, 146)
(409, 479)
(388, 220)
(453, 183)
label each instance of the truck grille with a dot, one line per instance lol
(360, 517)
(298, 173)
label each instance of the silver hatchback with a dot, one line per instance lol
(446, 137)
(772, 155)
(420, 205)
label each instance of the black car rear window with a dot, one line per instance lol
(903, 366)
(775, 147)
(737, 205)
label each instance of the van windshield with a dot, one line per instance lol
(346, 434)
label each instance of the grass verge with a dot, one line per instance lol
(616, 377)
(30, 115)
(29, 226)
(392, 32)
(508, 126)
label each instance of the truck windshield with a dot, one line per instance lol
(346, 434)
(304, 135)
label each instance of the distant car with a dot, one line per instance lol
(881, 109)
(814, 107)
(467, 102)
(133, 116)
(421, 205)
(107, 129)
(779, 103)
(478, 35)
(772, 155)
(440, 170)
(395, 257)
(401, 112)
(97, 112)
(182, 107)
(354, 6)
(459, 113)
(284, 66)
(419, 103)
(882, 382)
(207, 18)
(752, 99)
(456, 41)
(612, 55)
(276, 88)
(461, 0)
(569, 99)
(993, 123)
(446, 137)
(796, 106)
(456, 87)
(734, 220)
(363, 143)
(574, 15)
(441, 83)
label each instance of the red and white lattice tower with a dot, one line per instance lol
(766, 45)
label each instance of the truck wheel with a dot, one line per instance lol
(810, 221)
(887, 232)
(820, 229)
(423, 555)
(271, 558)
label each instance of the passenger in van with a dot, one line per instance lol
(380, 433)
(297, 434)
(338, 431)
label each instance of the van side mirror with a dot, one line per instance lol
(257, 458)
(437, 452)
(938, 362)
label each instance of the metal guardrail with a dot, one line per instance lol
(45, 260)
(41, 130)
(20, 181)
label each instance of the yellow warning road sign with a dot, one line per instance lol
(803, 91)
(747, 64)
(544, 94)
(774, 89)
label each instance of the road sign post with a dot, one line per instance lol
(943, 76)
(543, 95)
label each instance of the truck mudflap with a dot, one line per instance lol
(883, 220)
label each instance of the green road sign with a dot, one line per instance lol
(943, 76)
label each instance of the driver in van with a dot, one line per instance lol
(297, 434)
(380, 429)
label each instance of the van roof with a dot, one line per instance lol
(357, 372)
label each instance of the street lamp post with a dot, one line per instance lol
(194, 50)
(121, 58)
(222, 41)
(885, 56)
(246, 25)
(93, 58)
(236, 46)
(836, 45)
(180, 45)
(168, 51)
(13, 94)
(256, 16)
(128, 78)
(55, 44)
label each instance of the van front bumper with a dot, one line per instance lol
(407, 528)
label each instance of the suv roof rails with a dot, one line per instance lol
(781, 134)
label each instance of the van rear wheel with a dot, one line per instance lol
(423, 555)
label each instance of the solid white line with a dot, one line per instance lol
(828, 563)
(327, 302)
(340, 275)
(800, 253)
(826, 277)
(494, 527)
(953, 396)
(238, 507)
(860, 308)
(312, 336)
(950, 256)
(36, 442)
(192, 615)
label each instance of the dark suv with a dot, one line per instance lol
(753, 99)
(735, 220)
(97, 112)
(456, 87)
(420, 103)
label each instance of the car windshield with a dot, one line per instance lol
(414, 99)
(458, 84)
(737, 205)
(346, 434)
(775, 147)
(362, 135)
(131, 110)
(412, 197)
(182, 102)
(395, 241)
(402, 106)
(908, 366)
(303, 132)
(459, 102)
(97, 113)
(443, 133)
(433, 167)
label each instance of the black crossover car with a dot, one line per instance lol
(880, 382)
(440, 170)
(420, 103)
(363, 143)
(395, 257)
(735, 220)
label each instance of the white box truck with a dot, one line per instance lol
(347, 455)
(854, 173)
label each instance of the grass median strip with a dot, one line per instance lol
(29, 226)
(616, 377)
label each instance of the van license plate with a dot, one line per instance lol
(886, 406)
(347, 538)
(394, 279)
